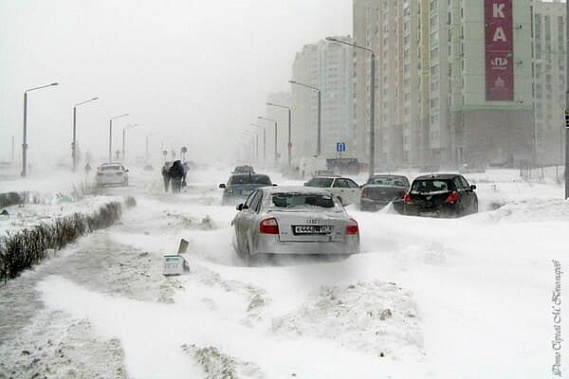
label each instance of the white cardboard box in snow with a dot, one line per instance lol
(173, 264)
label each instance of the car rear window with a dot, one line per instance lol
(428, 186)
(301, 200)
(249, 179)
(111, 168)
(389, 181)
(320, 182)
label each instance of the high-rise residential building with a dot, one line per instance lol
(453, 80)
(326, 66)
(489, 81)
(550, 65)
(365, 33)
(304, 102)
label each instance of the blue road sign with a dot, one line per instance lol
(340, 147)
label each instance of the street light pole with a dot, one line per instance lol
(25, 139)
(74, 143)
(276, 136)
(124, 140)
(371, 99)
(111, 135)
(319, 122)
(289, 142)
(264, 141)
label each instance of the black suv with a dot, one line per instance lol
(441, 195)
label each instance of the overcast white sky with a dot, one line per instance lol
(196, 72)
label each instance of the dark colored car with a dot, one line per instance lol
(243, 170)
(383, 189)
(441, 195)
(240, 186)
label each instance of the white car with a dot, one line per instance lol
(294, 220)
(111, 174)
(345, 189)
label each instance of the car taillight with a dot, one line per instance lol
(99, 174)
(452, 198)
(364, 192)
(118, 173)
(269, 226)
(352, 228)
(406, 198)
(402, 194)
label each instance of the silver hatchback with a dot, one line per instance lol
(294, 220)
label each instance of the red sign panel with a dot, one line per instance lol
(499, 49)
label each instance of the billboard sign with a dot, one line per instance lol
(499, 49)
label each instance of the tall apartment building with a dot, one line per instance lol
(364, 13)
(454, 80)
(550, 65)
(328, 67)
(489, 81)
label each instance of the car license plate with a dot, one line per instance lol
(312, 229)
(429, 214)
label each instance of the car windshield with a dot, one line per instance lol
(428, 186)
(249, 179)
(301, 200)
(320, 182)
(396, 181)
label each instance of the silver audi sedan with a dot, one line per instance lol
(294, 220)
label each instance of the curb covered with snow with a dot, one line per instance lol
(21, 249)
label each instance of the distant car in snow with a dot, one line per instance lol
(347, 190)
(111, 174)
(243, 170)
(239, 186)
(441, 195)
(294, 220)
(382, 189)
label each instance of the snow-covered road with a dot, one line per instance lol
(427, 298)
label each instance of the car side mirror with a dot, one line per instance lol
(274, 185)
(126, 170)
(472, 187)
(239, 207)
(222, 186)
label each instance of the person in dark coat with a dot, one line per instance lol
(177, 175)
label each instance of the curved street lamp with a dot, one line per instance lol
(289, 142)
(276, 135)
(124, 139)
(74, 143)
(319, 125)
(371, 100)
(111, 135)
(25, 139)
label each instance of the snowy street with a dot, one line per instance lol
(426, 298)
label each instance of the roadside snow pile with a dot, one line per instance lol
(46, 209)
(378, 318)
(29, 243)
(531, 210)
